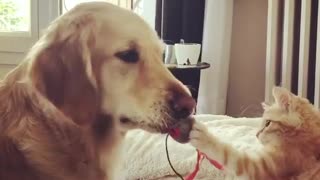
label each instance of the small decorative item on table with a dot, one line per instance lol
(187, 53)
(182, 59)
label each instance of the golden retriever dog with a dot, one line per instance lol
(94, 74)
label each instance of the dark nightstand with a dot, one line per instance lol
(189, 75)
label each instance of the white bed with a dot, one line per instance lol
(145, 156)
(145, 153)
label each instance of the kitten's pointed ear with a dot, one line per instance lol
(283, 97)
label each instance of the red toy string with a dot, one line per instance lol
(200, 157)
(174, 133)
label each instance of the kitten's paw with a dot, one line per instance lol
(200, 138)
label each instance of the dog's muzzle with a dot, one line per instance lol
(181, 103)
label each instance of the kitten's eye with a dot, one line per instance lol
(129, 56)
(268, 122)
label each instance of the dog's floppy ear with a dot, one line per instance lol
(62, 68)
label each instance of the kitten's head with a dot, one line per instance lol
(290, 120)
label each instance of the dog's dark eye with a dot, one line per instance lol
(268, 122)
(129, 56)
(124, 120)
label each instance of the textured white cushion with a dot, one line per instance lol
(145, 156)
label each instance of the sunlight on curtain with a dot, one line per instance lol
(144, 8)
(128, 4)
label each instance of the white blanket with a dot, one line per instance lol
(145, 156)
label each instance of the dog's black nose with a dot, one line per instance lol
(182, 106)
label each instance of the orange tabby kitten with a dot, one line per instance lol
(291, 143)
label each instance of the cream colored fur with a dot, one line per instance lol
(290, 135)
(95, 73)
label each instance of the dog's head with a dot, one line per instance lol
(99, 61)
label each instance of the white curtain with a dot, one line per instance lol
(216, 51)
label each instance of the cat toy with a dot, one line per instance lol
(180, 133)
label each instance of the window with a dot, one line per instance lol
(68, 4)
(21, 23)
(14, 16)
(145, 8)
(18, 25)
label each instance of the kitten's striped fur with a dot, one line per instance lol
(291, 138)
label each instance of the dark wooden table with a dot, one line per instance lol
(189, 75)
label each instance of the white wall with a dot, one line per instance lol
(247, 58)
(149, 11)
(4, 69)
(212, 97)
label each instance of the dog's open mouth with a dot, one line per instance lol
(180, 132)
(129, 123)
(178, 129)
